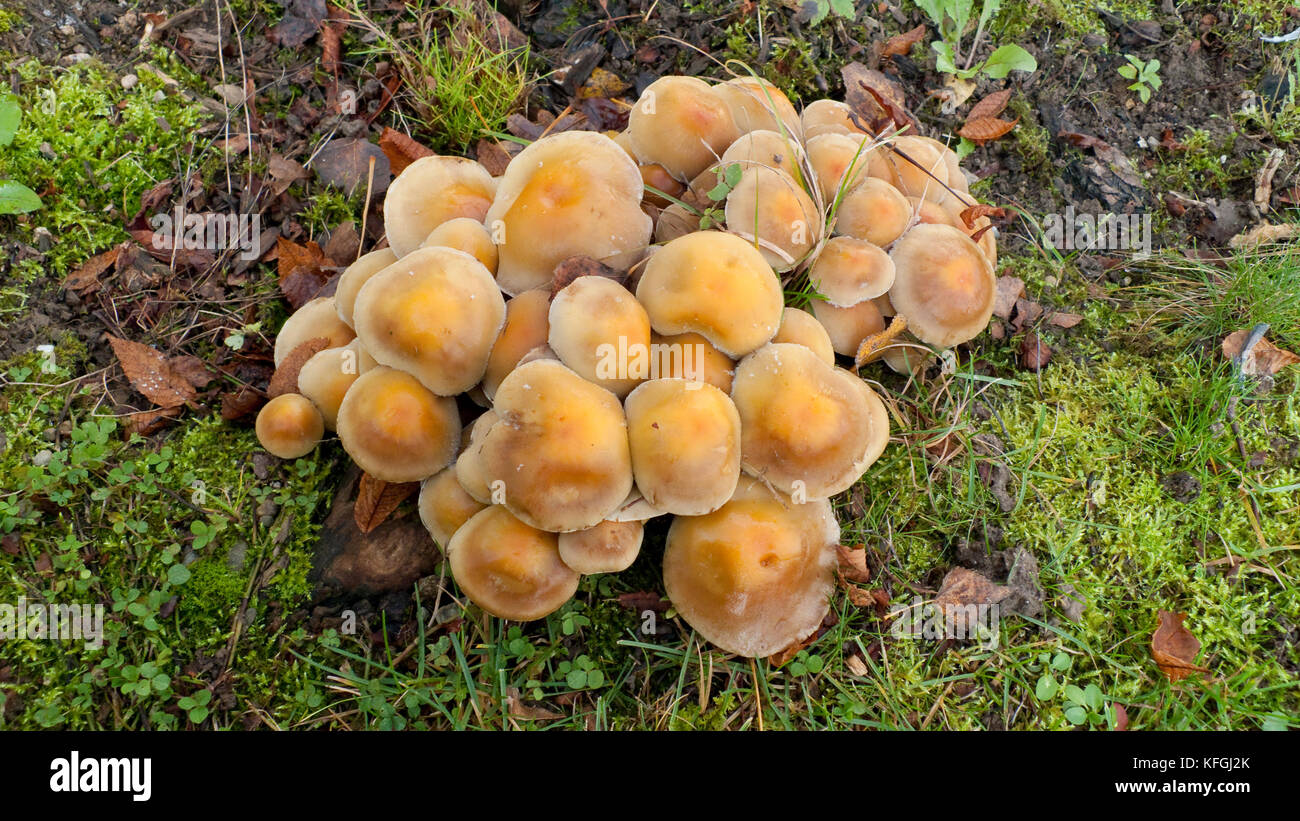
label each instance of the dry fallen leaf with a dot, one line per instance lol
(990, 106)
(377, 499)
(300, 271)
(493, 156)
(1009, 291)
(345, 164)
(1263, 359)
(1034, 352)
(285, 378)
(986, 128)
(981, 209)
(1174, 647)
(853, 563)
(520, 709)
(86, 278)
(152, 374)
(401, 150)
(1262, 235)
(901, 44)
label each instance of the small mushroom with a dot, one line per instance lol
(681, 124)
(289, 426)
(756, 575)
(691, 356)
(508, 568)
(609, 547)
(434, 313)
(807, 427)
(944, 285)
(468, 235)
(356, 275)
(827, 117)
(326, 378)
(802, 328)
(685, 445)
(934, 213)
(767, 149)
(527, 326)
(431, 191)
(714, 284)
(769, 208)
(847, 327)
(445, 506)
(470, 471)
(849, 270)
(317, 318)
(874, 211)
(758, 105)
(601, 332)
(926, 172)
(842, 161)
(395, 429)
(956, 177)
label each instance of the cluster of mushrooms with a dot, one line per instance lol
(548, 420)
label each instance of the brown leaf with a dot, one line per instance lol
(377, 499)
(331, 46)
(1084, 140)
(1063, 320)
(86, 278)
(299, 270)
(401, 149)
(1174, 647)
(859, 596)
(986, 128)
(493, 156)
(152, 374)
(901, 44)
(1121, 718)
(875, 98)
(980, 209)
(345, 164)
(1263, 359)
(961, 589)
(343, 245)
(520, 709)
(580, 266)
(146, 422)
(300, 21)
(990, 106)
(1034, 352)
(853, 563)
(855, 665)
(1010, 289)
(285, 172)
(241, 403)
(602, 83)
(285, 378)
(643, 600)
(194, 370)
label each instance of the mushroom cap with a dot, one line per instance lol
(431, 191)
(361, 358)
(508, 568)
(874, 211)
(356, 275)
(527, 326)
(657, 177)
(570, 194)
(802, 328)
(470, 471)
(934, 213)
(468, 235)
(445, 506)
(395, 429)
(806, 425)
(765, 148)
(849, 270)
(609, 547)
(847, 327)
(559, 449)
(769, 207)
(681, 124)
(691, 356)
(956, 177)
(913, 181)
(675, 221)
(827, 117)
(325, 379)
(317, 318)
(885, 307)
(944, 285)
(434, 313)
(602, 333)
(685, 442)
(842, 161)
(289, 426)
(758, 105)
(754, 576)
(714, 284)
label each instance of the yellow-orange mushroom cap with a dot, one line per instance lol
(317, 318)
(714, 284)
(527, 326)
(599, 330)
(681, 124)
(691, 356)
(468, 235)
(808, 428)
(944, 285)
(849, 270)
(570, 194)
(874, 211)
(827, 117)
(847, 327)
(754, 576)
(470, 471)
(326, 378)
(769, 208)
(842, 161)
(508, 568)
(395, 429)
(758, 105)
(926, 156)
(431, 191)
(609, 547)
(765, 148)
(445, 506)
(356, 275)
(434, 313)
(289, 426)
(802, 328)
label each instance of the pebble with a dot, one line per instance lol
(42, 457)
(129, 81)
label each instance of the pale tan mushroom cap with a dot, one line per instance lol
(805, 425)
(289, 426)
(431, 191)
(758, 105)
(847, 327)
(325, 379)
(691, 356)
(508, 568)
(602, 333)
(559, 449)
(434, 313)
(802, 328)
(445, 506)
(945, 285)
(755, 576)
(874, 211)
(317, 318)
(849, 270)
(685, 442)
(470, 471)
(609, 547)
(395, 429)
(570, 194)
(842, 161)
(956, 177)
(714, 284)
(769, 207)
(913, 180)
(468, 235)
(765, 148)
(356, 275)
(681, 124)
(527, 326)
(827, 117)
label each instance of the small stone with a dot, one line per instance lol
(42, 457)
(237, 556)
(129, 81)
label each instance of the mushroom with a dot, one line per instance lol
(944, 285)
(714, 284)
(356, 275)
(431, 191)
(357, 357)
(827, 117)
(681, 124)
(326, 378)
(808, 428)
(756, 575)
(602, 333)
(685, 444)
(956, 177)
(802, 328)
(768, 207)
(395, 429)
(559, 449)
(609, 547)
(445, 506)
(570, 194)
(508, 568)
(317, 318)
(434, 313)
(875, 211)
(765, 148)
(470, 471)
(526, 327)
(913, 179)
(934, 213)
(847, 327)
(468, 235)
(691, 356)
(289, 426)
(849, 270)
(758, 105)
(833, 156)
